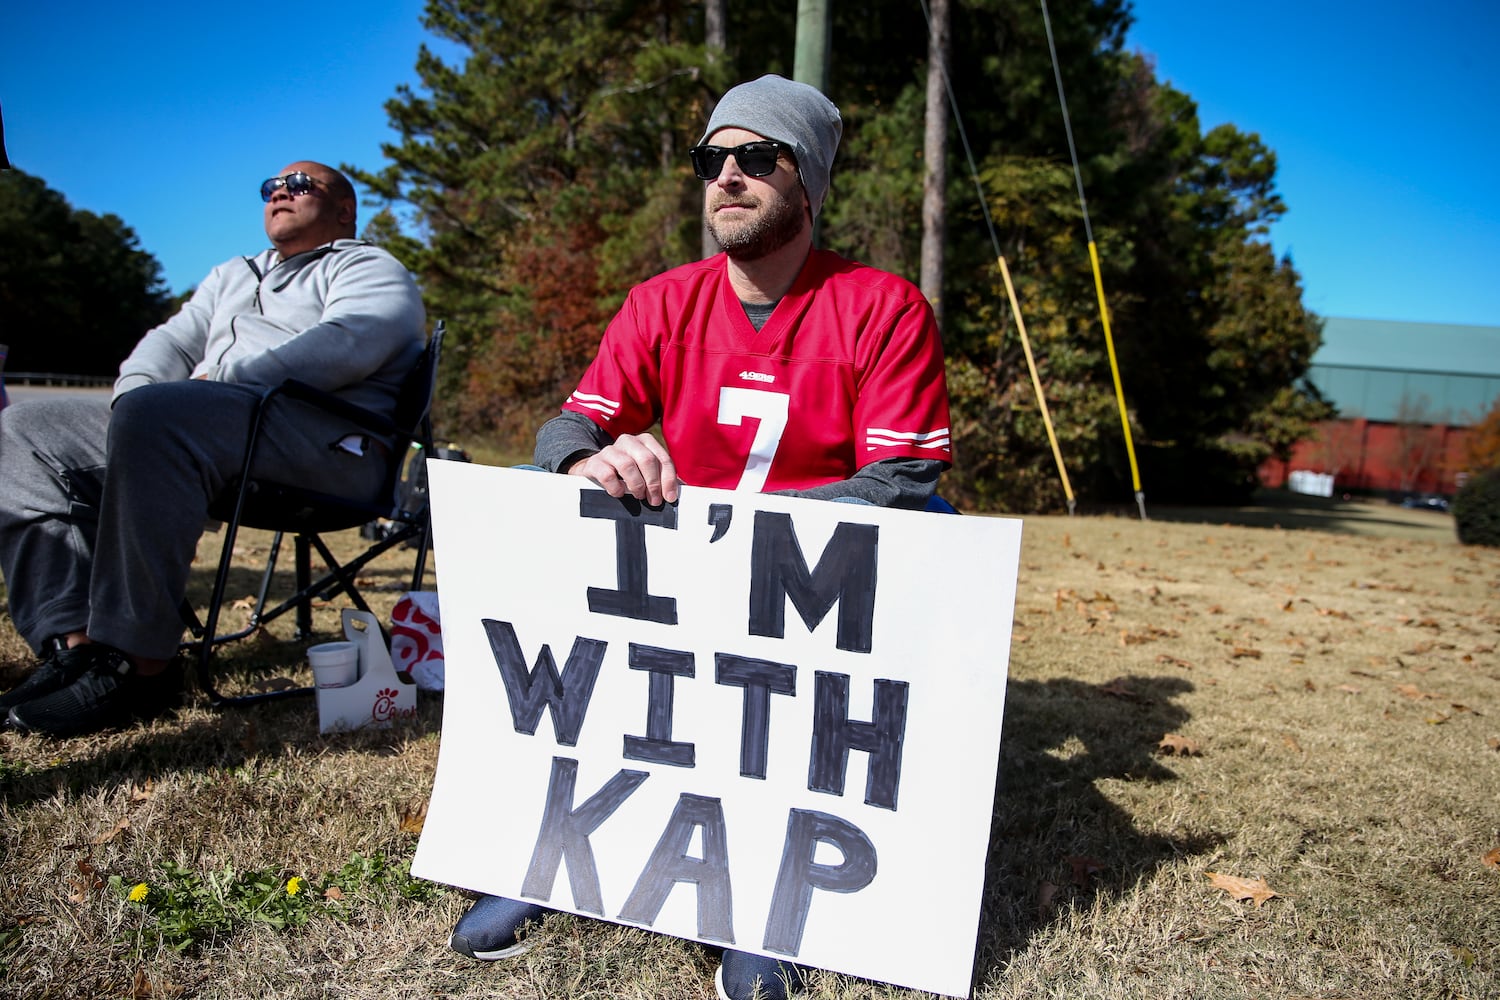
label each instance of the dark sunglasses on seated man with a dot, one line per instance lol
(295, 184)
(755, 159)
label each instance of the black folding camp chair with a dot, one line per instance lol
(306, 515)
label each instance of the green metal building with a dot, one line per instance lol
(1406, 395)
(1431, 373)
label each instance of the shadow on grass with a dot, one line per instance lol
(246, 574)
(223, 740)
(1299, 512)
(1057, 838)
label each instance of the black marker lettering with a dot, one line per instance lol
(834, 735)
(670, 864)
(657, 745)
(760, 679)
(845, 573)
(565, 695)
(631, 517)
(800, 875)
(719, 515)
(565, 832)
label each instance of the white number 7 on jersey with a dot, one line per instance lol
(770, 408)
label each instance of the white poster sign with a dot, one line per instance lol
(759, 722)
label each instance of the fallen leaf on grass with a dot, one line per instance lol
(1083, 605)
(413, 818)
(1117, 688)
(1291, 743)
(84, 883)
(142, 793)
(1181, 746)
(245, 603)
(121, 827)
(1175, 661)
(1045, 894)
(1151, 634)
(144, 989)
(1413, 692)
(333, 892)
(1084, 869)
(1240, 889)
(1493, 742)
(1245, 652)
(1493, 858)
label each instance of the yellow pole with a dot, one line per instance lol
(1114, 368)
(1036, 384)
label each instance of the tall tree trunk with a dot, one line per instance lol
(715, 14)
(935, 156)
(810, 53)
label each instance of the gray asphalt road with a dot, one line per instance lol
(16, 393)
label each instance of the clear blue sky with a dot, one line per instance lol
(1384, 116)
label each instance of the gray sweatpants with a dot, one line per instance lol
(101, 510)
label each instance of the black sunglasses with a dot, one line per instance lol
(755, 159)
(295, 184)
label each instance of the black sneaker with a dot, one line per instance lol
(111, 692)
(743, 976)
(58, 667)
(490, 929)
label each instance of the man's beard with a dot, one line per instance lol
(780, 222)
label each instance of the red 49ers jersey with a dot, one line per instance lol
(847, 371)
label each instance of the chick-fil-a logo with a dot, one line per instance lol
(386, 708)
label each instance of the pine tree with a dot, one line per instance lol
(547, 173)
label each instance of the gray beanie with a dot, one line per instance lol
(790, 112)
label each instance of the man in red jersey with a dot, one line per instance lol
(772, 367)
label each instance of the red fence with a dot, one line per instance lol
(1370, 456)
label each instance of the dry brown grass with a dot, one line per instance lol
(1340, 687)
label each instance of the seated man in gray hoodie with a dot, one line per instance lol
(102, 503)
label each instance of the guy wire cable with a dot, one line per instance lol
(1109, 340)
(989, 222)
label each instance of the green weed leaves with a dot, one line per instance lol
(181, 909)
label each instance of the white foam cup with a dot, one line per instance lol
(334, 664)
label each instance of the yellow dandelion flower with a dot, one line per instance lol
(294, 885)
(138, 892)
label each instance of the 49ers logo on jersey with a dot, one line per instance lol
(750, 376)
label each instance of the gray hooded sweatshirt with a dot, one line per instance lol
(345, 318)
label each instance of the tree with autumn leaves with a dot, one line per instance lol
(539, 179)
(1482, 446)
